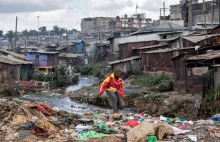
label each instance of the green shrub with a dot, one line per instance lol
(9, 91)
(75, 79)
(149, 81)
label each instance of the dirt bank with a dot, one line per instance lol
(141, 99)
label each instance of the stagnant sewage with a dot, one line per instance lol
(57, 100)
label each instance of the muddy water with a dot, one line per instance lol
(56, 99)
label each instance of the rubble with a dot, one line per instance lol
(24, 121)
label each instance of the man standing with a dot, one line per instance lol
(113, 86)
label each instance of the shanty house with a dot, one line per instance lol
(159, 61)
(72, 59)
(43, 60)
(12, 69)
(165, 30)
(200, 40)
(129, 65)
(199, 72)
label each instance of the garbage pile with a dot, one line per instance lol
(24, 121)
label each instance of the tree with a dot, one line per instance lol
(43, 30)
(33, 33)
(10, 35)
(56, 30)
(1, 33)
(25, 33)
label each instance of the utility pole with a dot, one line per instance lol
(190, 14)
(15, 34)
(136, 9)
(219, 10)
(204, 13)
(38, 29)
(164, 9)
(213, 10)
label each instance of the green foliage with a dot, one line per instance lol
(165, 84)
(149, 81)
(61, 77)
(75, 79)
(9, 91)
(213, 94)
(42, 77)
(93, 69)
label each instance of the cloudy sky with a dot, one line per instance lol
(68, 13)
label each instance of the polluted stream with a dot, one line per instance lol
(57, 99)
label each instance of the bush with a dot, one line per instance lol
(9, 91)
(75, 79)
(149, 81)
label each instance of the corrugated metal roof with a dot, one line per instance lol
(12, 61)
(169, 39)
(70, 55)
(196, 39)
(165, 26)
(20, 56)
(206, 56)
(153, 46)
(167, 50)
(125, 60)
(44, 51)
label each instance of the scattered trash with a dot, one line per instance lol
(139, 132)
(192, 138)
(19, 119)
(41, 122)
(132, 123)
(217, 118)
(162, 130)
(92, 134)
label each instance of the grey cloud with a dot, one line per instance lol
(15, 6)
(106, 5)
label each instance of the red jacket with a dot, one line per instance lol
(113, 85)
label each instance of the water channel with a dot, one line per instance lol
(56, 99)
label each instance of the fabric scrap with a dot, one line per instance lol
(91, 135)
(139, 132)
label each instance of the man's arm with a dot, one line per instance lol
(104, 85)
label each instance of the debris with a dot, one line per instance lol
(19, 119)
(30, 126)
(132, 123)
(162, 130)
(152, 139)
(217, 118)
(192, 138)
(44, 108)
(139, 132)
(92, 134)
(178, 131)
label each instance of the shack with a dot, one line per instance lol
(129, 65)
(126, 49)
(12, 69)
(193, 40)
(199, 72)
(72, 59)
(43, 60)
(159, 61)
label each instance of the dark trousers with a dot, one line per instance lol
(115, 101)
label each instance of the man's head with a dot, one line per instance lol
(118, 72)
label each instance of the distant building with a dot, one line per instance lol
(97, 24)
(182, 12)
(136, 21)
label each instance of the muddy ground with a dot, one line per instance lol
(171, 104)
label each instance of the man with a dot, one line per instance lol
(114, 87)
